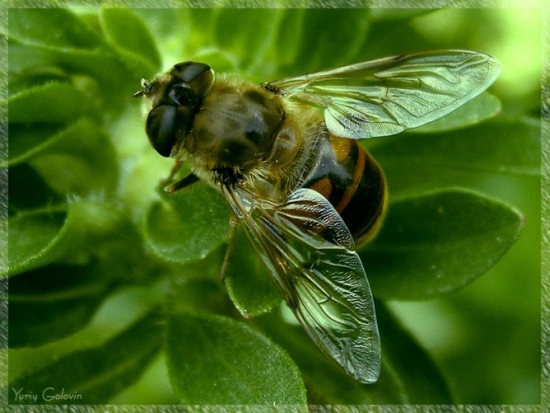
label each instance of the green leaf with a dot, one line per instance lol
(409, 364)
(94, 375)
(50, 103)
(129, 35)
(193, 223)
(248, 41)
(402, 14)
(27, 141)
(326, 382)
(285, 44)
(216, 360)
(89, 250)
(408, 376)
(201, 292)
(32, 238)
(54, 301)
(175, 32)
(20, 179)
(167, 25)
(64, 273)
(323, 31)
(64, 43)
(386, 37)
(475, 111)
(56, 234)
(247, 280)
(447, 159)
(78, 159)
(126, 30)
(112, 85)
(53, 28)
(31, 68)
(436, 243)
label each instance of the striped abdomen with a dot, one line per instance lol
(354, 184)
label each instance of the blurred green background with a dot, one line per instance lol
(485, 338)
(495, 322)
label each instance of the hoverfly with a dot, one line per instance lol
(285, 155)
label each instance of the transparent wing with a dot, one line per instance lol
(385, 96)
(308, 250)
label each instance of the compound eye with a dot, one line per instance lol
(197, 76)
(161, 128)
(165, 124)
(182, 95)
(189, 71)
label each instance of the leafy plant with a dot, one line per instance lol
(108, 275)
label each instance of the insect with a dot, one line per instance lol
(286, 157)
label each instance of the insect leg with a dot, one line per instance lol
(182, 183)
(230, 247)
